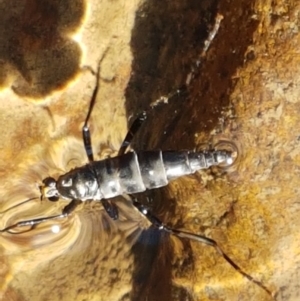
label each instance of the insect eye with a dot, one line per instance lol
(49, 182)
(53, 198)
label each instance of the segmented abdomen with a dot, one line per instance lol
(136, 172)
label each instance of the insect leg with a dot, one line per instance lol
(34, 222)
(135, 126)
(138, 121)
(200, 238)
(110, 208)
(86, 134)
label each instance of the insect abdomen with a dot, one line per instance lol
(136, 172)
(130, 173)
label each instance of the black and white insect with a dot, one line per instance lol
(129, 173)
(126, 174)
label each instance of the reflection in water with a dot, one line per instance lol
(55, 229)
(88, 248)
(71, 258)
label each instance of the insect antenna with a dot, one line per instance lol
(67, 210)
(32, 223)
(7, 229)
(19, 204)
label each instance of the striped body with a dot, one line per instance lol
(133, 173)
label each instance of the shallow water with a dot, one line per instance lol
(246, 91)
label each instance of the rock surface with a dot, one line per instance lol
(245, 90)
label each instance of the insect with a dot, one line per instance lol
(129, 173)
